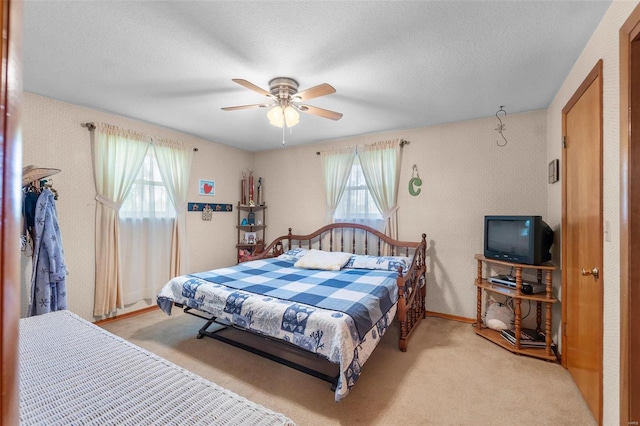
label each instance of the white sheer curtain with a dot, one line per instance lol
(117, 157)
(336, 166)
(146, 223)
(357, 204)
(174, 161)
(381, 168)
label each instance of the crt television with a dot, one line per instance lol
(520, 239)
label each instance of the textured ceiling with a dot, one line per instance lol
(394, 64)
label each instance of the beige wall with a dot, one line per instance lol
(53, 137)
(465, 176)
(602, 45)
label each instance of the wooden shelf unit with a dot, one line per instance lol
(546, 298)
(260, 215)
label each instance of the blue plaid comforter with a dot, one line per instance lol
(364, 295)
(340, 315)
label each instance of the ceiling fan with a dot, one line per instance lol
(287, 101)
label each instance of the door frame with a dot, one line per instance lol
(593, 75)
(10, 202)
(629, 219)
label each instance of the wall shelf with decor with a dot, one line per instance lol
(251, 230)
(483, 285)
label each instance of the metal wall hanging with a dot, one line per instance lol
(415, 181)
(501, 127)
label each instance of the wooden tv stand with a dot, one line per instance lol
(545, 298)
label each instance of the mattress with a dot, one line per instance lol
(73, 372)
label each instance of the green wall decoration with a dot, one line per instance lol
(415, 181)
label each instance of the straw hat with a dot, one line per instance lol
(32, 173)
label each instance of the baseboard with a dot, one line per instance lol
(127, 315)
(450, 317)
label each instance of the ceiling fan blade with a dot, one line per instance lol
(320, 112)
(233, 108)
(252, 86)
(316, 91)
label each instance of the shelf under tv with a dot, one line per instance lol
(484, 286)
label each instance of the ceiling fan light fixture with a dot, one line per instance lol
(279, 115)
(284, 111)
(291, 116)
(275, 116)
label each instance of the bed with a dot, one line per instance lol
(332, 293)
(73, 372)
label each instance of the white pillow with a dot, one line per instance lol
(326, 260)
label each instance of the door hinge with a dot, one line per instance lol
(564, 142)
(564, 329)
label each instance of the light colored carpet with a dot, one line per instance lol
(448, 376)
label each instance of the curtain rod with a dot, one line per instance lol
(91, 127)
(403, 142)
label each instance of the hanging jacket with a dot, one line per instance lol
(48, 278)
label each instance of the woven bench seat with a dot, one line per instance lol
(73, 372)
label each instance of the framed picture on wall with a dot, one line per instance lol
(250, 237)
(553, 171)
(207, 187)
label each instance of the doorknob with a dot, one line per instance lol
(595, 272)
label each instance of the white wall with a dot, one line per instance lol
(604, 44)
(53, 137)
(465, 176)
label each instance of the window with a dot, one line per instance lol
(148, 197)
(356, 204)
(146, 221)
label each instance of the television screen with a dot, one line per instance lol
(509, 236)
(522, 239)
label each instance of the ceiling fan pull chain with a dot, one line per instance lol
(284, 125)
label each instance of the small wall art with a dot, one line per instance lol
(554, 170)
(415, 181)
(216, 207)
(207, 212)
(207, 187)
